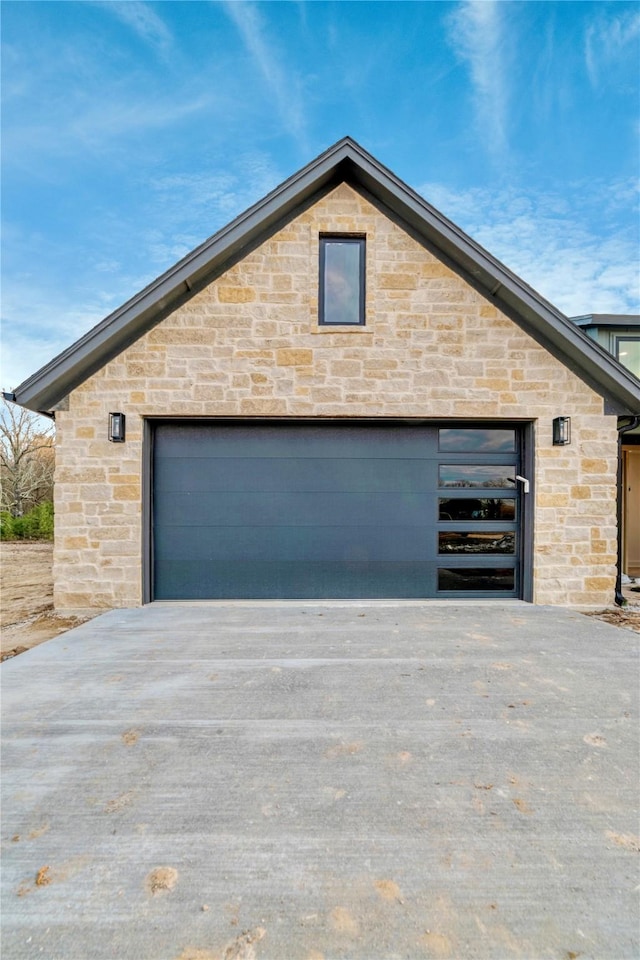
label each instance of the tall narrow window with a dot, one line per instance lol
(342, 289)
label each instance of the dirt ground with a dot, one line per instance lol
(27, 617)
(26, 598)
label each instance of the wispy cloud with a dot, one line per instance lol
(544, 239)
(38, 326)
(284, 88)
(143, 20)
(606, 40)
(476, 32)
(189, 207)
(127, 252)
(86, 124)
(220, 194)
(38, 330)
(95, 125)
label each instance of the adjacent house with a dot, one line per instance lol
(620, 335)
(338, 395)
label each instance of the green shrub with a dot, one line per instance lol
(35, 525)
(46, 520)
(6, 526)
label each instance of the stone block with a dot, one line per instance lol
(326, 394)
(294, 358)
(397, 281)
(127, 492)
(600, 583)
(227, 294)
(346, 368)
(263, 408)
(494, 384)
(74, 543)
(594, 465)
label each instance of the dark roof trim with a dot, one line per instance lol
(347, 162)
(607, 320)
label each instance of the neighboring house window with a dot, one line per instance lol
(628, 353)
(342, 289)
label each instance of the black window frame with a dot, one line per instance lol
(360, 240)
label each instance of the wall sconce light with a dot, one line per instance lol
(561, 431)
(116, 427)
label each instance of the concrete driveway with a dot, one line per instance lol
(302, 781)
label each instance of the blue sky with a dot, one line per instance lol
(132, 131)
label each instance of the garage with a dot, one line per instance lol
(337, 509)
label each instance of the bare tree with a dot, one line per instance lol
(26, 459)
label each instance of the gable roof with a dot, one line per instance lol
(348, 162)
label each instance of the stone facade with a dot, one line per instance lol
(249, 345)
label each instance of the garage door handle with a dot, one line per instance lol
(524, 482)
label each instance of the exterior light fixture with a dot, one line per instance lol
(116, 427)
(561, 431)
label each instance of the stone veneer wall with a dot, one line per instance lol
(249, 345)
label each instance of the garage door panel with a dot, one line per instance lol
(292, 474)
(315, 441)
(295, 508)
(193, 580)
(335, 543)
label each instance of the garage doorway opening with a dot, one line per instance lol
(338, 509)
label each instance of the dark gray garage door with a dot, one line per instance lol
(335, 510)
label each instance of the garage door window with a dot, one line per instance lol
(493, 579)
(476, 439)
(477, 508)
(467, 541)
(475, 475)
